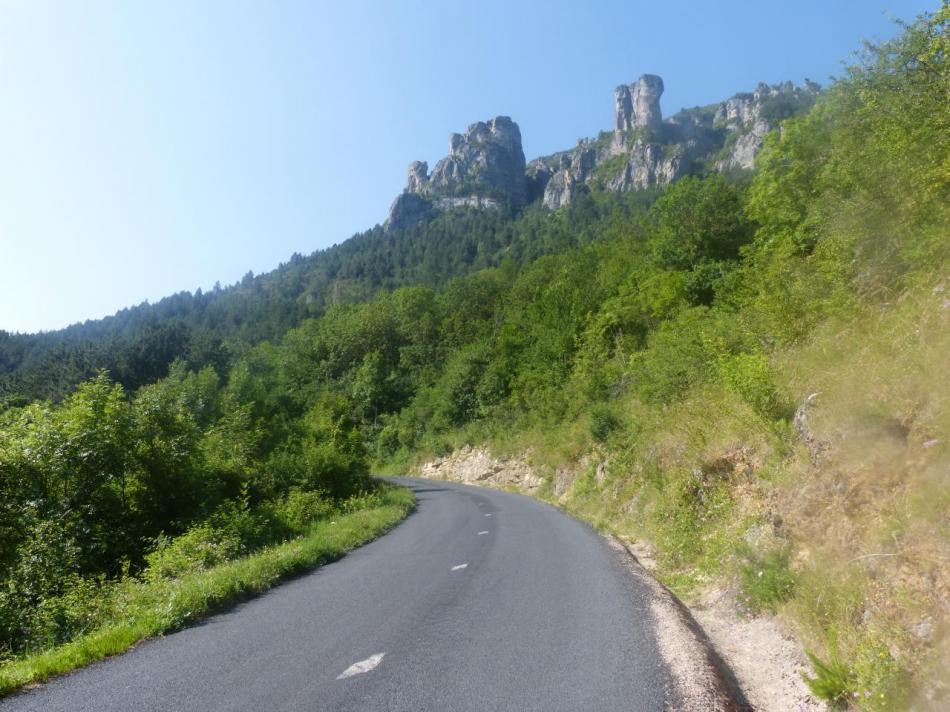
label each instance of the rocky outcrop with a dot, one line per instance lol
(751, 117)
(476, 465)
(418, 178)
(644, 150)
(631, 157)
(747, 145)
(408, 209)
(559, 190)
(485, 168)
(638, 104)
(647, 165)
(571, 169)
(487, 160)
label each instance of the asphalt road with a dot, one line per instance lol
(480, 600)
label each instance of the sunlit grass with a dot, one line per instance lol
(156, 607)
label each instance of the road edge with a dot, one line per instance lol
(222, 587)
(701, 677)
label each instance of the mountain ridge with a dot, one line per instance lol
(441, 226)
(485, 167)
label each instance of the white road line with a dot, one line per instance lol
(460, 566)
(484, 532)
(488, 515)
(362, 666)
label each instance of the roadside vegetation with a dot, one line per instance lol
(125, 516)
(746, 371)
(196, 575)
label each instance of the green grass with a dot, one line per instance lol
(833, 680)
(767, 581)
(153, 608)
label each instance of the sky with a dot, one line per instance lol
(152, 147)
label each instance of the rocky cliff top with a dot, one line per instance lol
(637, 105)
(486, 166)
(645, 150)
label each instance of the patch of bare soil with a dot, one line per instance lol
(767, 663)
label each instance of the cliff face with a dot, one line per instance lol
(752, 116)
(638, 105)
(486, 166)
(644, 150)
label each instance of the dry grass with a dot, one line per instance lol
(871, 515)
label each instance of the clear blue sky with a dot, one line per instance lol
(153, 147)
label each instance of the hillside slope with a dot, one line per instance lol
(753, 388)
(481, 207)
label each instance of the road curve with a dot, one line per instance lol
(480, 600)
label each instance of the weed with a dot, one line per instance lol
(767, 581)
(833, 680)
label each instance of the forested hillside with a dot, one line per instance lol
(137, 345)
(672, 333)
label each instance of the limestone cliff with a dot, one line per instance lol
(750, 117)
(644, 150)
(485, 168)
(637, 106)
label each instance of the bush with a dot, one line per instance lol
(84, 603)
(687, 519)
(302, 509)
(198, 549)
(833, 681)
(750, 375)
(685, 351)
(698, 219)
(47, 564)
(362, 500)
(603, 421)
(251, 527)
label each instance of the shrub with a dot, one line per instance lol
(750, 375)
(360, 501)
(603, 421)
(82, 605)
(200, 548)
(685, 351)
(301, 509)
(250, 527)
(833, 681)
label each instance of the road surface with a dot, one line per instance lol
(480, 600)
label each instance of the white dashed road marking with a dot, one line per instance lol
(488, 515)
(460, 566)
(484, 532)
(362, 666)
